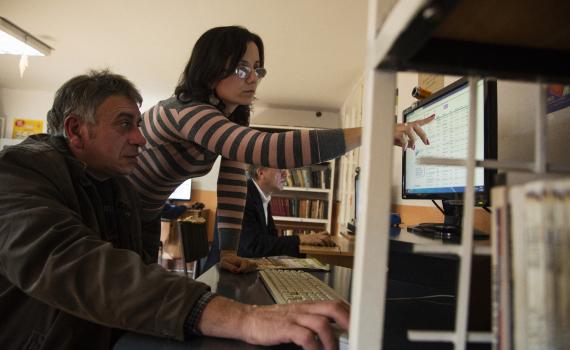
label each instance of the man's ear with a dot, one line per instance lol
(260, 171)
(72, 128)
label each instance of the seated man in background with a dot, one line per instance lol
(73, 274)
(259, 235)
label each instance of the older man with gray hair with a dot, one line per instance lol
(259, 235)
(73, 273)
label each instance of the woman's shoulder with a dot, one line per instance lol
(174, 103)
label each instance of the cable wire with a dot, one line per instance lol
(437, 205)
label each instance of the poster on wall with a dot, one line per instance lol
(26, 127)
(557, 97)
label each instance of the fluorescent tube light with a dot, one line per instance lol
(16, 41)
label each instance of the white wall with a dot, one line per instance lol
(517, 108)
(150, 100)
(29, 104)
(295, 117)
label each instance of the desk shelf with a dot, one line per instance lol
(472, 337)
(511, 39)
(407, 241)
(451, 249)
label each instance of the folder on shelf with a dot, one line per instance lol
(540, 233)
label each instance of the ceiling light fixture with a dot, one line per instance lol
(16, 41)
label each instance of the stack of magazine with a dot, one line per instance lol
(531, 265)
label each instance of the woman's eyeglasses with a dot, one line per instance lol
(243, 72)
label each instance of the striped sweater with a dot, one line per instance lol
(185, 139)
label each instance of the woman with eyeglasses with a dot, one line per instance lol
(208, 116)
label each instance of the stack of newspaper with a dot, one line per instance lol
(531, 265)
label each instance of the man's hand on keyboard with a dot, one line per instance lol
(321, 238)
(233, 263)
(305, 324)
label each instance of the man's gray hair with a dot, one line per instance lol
(252, 171)
(82, 95)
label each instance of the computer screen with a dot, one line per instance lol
(182, 192)
(448, 136)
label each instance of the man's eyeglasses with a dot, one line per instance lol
(243, 72)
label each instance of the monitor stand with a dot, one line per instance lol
(450, 229)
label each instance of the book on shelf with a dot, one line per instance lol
(301, 208)
(501, 269)
(315, 176)
(288, 231)
(531, 264)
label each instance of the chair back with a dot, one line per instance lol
(194, 236)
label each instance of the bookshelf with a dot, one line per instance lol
(521, 40)
(306, 203)
(351, 113)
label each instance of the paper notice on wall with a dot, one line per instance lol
(26, 127)
(430, 82)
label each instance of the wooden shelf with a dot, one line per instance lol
(472, 337)
(511, 39)
(306, 189)
(412, 242)
(297, 219)
(450, 249)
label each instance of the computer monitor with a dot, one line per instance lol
(448, 135)
(183, 192)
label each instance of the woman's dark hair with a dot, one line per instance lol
(215, 51)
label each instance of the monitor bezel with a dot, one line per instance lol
(482, 198)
